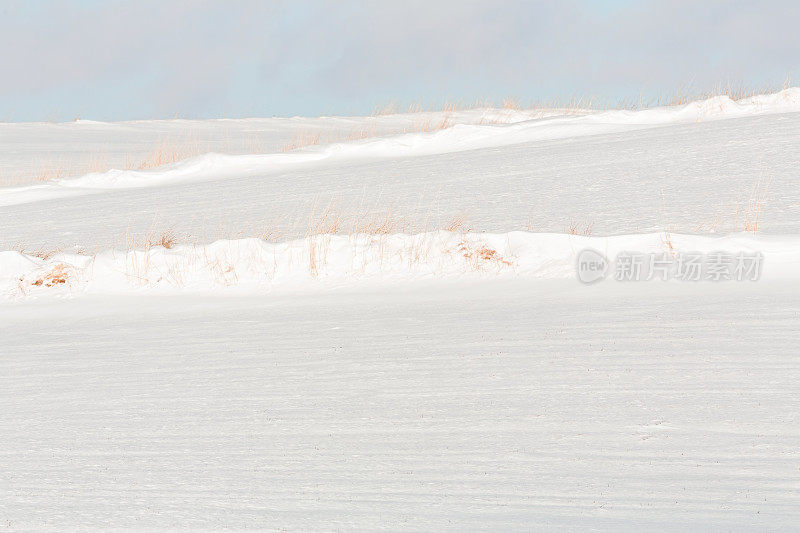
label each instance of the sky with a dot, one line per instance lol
(135, 59)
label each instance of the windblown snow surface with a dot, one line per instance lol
(185, 347)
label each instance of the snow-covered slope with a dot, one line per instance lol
(474, 406)
(684, 176)
(384, 330)
(459, 137)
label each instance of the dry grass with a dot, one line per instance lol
(456, 223)
(742, 214)
(318, 233)
(51, 169)
(57, 168)
(755, 204)
(414, 107)
(167, 240)
(270, 231)
(322, 224)
(429, 125)
(58, 275)
(668, 242)
(302, 140)
(368, 230)
(383, 110)
(363, 132)
(329, 221)
(386, 223)
(138, 252)
(687, 93)
(511, 103)
(167, 153)
(579, 104)
(480, 256)
(43, 252)
(580, 228)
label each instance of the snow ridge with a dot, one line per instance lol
(326, 261)
(460, 137)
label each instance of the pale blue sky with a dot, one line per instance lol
(123, 59)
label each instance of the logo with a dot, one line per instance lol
(592, 266)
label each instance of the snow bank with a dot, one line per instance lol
(326, 261)
(460, 137)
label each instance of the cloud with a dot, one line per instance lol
(182, 52)
(135, 58)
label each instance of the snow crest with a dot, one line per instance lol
(460, 137)
(329, 261)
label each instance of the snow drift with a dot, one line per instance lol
(326, 261)
(459, 137)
